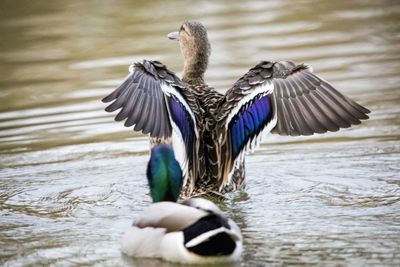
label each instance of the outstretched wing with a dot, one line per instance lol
(153, 100)
(285, 98)
(306, 104)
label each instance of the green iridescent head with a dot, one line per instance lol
(164, 174)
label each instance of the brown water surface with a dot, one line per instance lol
(72, 180)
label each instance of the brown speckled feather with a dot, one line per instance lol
(281, 97)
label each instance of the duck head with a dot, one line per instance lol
(195, 48)
(164, 174)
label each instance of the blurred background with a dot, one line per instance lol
(72, 180)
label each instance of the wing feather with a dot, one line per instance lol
(302, 118)
(145, 98)
(169, 215)
(123, 87)
(127, 109)
(296, 102)
(245, 113)
(144, 113)
(151, 119)
(118, 102)
(317, 105)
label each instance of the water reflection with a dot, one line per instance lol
(72, 180)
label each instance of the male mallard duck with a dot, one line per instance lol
(194, 231)
(210, 132)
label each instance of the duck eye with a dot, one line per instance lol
(184, 29)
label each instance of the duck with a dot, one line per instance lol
(194, 231)
(211, 132)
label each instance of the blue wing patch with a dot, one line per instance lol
(249, 122)
(184, 121)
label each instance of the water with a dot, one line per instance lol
(72, 180)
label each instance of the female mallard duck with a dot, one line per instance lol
(194, 231)
(210, 132)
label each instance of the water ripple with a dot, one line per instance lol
(71, 177)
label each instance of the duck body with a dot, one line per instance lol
(194, 231)
(211, 132)
(208, 98)
(181, 233)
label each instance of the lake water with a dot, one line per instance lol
(72, 180)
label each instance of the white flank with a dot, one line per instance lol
(142, 242)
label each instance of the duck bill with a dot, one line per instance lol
(173, 36)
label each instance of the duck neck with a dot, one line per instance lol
(194, 67)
